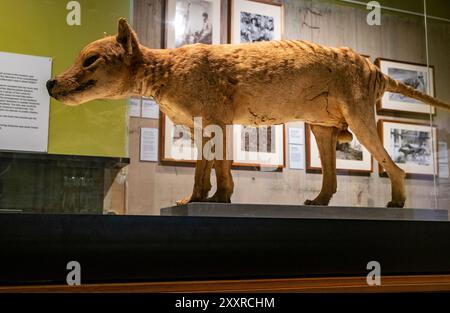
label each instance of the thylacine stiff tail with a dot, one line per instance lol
(393, 85)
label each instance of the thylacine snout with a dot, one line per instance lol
(50, 84)
(67, 94)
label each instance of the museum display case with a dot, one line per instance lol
(64, 167)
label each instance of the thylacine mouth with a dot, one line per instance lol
(82, 87)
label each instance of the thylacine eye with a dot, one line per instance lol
(90, 60)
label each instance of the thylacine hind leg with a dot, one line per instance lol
(361, 120)
(222, 167)
(326, 138)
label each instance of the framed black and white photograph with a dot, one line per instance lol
(417, 76)
(192, 21)
(259, 146)
(411, 146)
(253, 21)
(351, 158)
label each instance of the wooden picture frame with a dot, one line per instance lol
(186, 24)
(415, 155)
(168, 157)
(355, 160)
(398, 105)
(263, 14)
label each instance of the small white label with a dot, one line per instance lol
(296, 135)
(134, 107)
(149, 144)
(297, 157)
(150, 109)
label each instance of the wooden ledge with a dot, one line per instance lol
(422, 283)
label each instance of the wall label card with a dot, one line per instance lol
(150, 109)
(24, 102)
(149, 144)
(443, 159)
(297, 157)
(296, 135)
(134, 107)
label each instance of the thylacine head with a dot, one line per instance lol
(104, 69)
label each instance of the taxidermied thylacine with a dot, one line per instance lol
(262, 83)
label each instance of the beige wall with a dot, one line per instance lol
(151, 186)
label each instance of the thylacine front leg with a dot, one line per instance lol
(326, 138)
(202, 181)
(225, 184)
(220, 159)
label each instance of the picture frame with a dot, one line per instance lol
(253, 20)
(259, 147)
(351, 158)
(176, 149)
(186, 22)
(170, 152)
(412, 146)
(413, 74)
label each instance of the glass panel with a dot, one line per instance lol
(437, 25)
(81, 165)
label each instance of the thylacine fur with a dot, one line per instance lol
(262, 83)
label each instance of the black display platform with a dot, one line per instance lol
(36, 248)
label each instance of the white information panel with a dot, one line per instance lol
(149, 144)
(24, 102)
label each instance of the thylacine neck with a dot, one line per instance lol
(153, 73)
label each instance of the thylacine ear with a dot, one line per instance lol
(127, 37)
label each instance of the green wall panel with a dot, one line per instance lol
(38, 27)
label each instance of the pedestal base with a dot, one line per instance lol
(303, 212)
